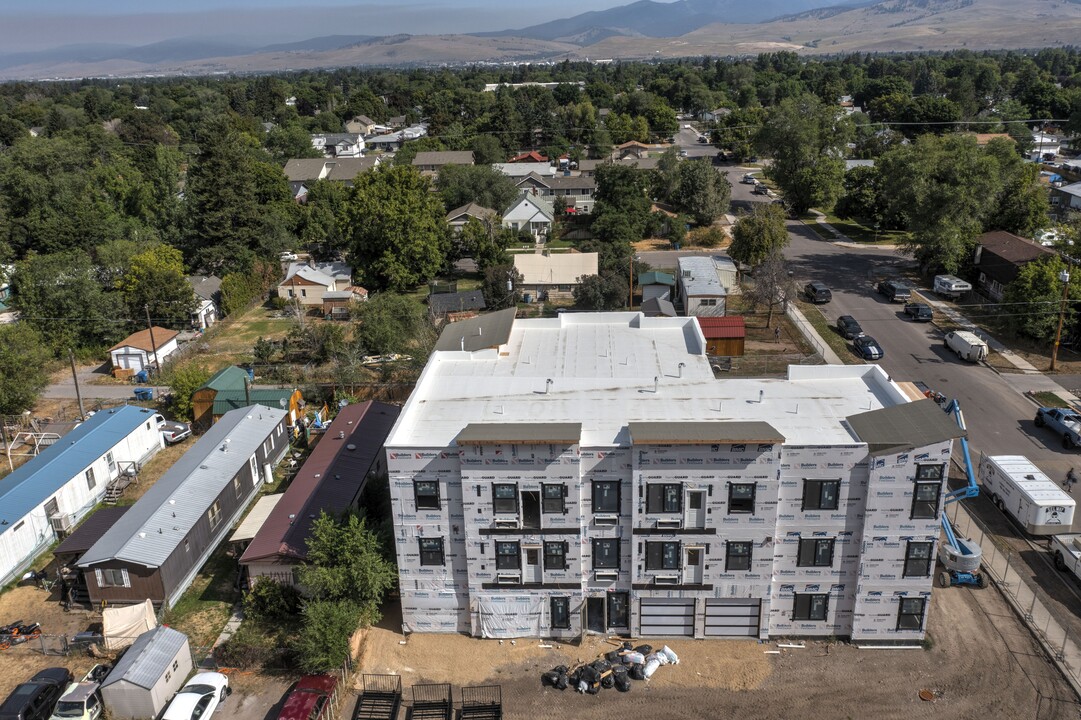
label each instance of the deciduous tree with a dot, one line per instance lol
(758, 235)
(24, 361)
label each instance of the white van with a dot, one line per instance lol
(1022, 491)
(951, 286)
(966, 344)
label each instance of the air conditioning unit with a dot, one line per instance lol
(509, 524)
(60, 523)
(666, 580)
(508, 579)
(606, 519)
(670, 524)
(602, 575)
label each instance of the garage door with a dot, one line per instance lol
(732, 618)
(132, 361)
(667, 616)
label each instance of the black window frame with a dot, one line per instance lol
(559, 496)
(927, 562)
(618, 496)
(926, 509)
(426, 504)
(496, 501)
(663, 490)
(614, 599)
(814, 490)
(730, 555)
(930, 471)
(560, 611)
(561, 554)
(919, 617)
(426, 555)
(661, 556)
(803, 607)
(736, 505)
(814, 557)
(618, 552)
(502, 556)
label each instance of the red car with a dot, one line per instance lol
(310, 698)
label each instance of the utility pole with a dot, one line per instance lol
(153, 345)
(630, 282)
(1064, 276)
(75, 376)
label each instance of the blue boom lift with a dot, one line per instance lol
(960, 556)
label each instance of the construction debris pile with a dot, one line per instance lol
(616, 669)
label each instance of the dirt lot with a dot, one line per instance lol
(982, 664)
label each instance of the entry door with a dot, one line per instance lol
(533, 571)
(692, 565)
(595, 614)
(531, 509)
(695, 514)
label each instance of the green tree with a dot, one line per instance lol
(396, 227)
(389, 324)
(482, 184)
(1035, 297)
(155, 280)
(621, 211)
(284, 142)
(24, 361)
(184, 380)
(758, 235)
(501, 286)
(263, 351)
(486, 242)
(737, 131)
(703, 192)
(487, 149)
(862, 196)
(409, 150)
(328, 626)
(806, 139)
(346, 562)
(594, 292)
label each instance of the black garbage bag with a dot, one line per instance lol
(560, 669)
(622, 682)
(562, 681)
(601, 665)
(644, 649)
(613, 657)
(619, 669)
(608, 681)
(628, 645)
(549, 679)
(590, 674)
(637, 672)
(574, 677)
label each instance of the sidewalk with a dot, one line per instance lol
(807, 329)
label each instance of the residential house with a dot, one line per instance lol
(715, 115)
(1045, 146)
(724, 336)
(207, 289)
(338, 305)
(433, 161)
(230, 388)
(302, 173)
(847, 105)
(155, 550)
(532, 213)
(530, 157)
(577, 191)
(521, 169)
(699, 288)
(331, 480)
(656, 284)
(553, 276)
(999, 258)
(632, 148)
(658, 307)
(339, 144)
(460, 216)
(855, 163)
(529, 499)
(455, 304)
(360, 125)
(47, 496)
(588, 168)
(388, 142)
(1067, 197)
(144, 349)
(306, 282)
(398, 121)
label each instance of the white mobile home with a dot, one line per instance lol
(56, 489)
(147, 676)
(1022, 491)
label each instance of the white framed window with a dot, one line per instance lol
(214, 514)
(110, 461)
(112, 577)
(91, 481)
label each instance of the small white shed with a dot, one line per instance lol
(138, 351)
(147, 676)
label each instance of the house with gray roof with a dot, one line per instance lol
(431, 161)
(699, 287)
(339, 144)
(48, 496)
(302, 173)
(207, 289)
(458, 217)
(155, 550)
(306, 283)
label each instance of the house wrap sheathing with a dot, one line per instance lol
(589, 473)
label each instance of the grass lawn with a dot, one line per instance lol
(1049, 399)
(237, 335)
(829, 333)
(818, 230)
(861, 233)
(203, 610)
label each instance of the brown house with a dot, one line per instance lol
(999, 258)
(156, 548)
(724, 335)
(331, 480)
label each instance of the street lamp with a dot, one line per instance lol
(1063, 276)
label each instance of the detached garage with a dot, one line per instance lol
(146, 348)
(147, 676)
(665, 617)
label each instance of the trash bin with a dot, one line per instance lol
(142, 376)
(675, 246)
(144, 394)
(527, 297)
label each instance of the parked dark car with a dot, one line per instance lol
(310, 698)
(36, 698)
(895, 291)
(868, 348)
(817, 292)
(920, 312)
(848, 327)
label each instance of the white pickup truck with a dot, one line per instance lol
(1066, 551)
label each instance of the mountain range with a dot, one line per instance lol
(641, 30)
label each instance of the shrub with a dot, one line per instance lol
(271, 601)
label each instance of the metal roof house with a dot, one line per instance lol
(56, 489)
(227, 390)
(331, 480)
(157, 547)
(147, 675)
(699, 287)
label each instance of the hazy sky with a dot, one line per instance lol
(43, 24)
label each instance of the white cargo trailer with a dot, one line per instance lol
(1022, 491)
